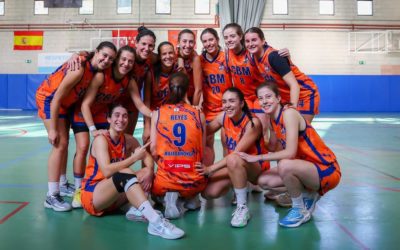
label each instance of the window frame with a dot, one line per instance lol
(372, 8)
(4, 7)
(80, 9)
(163, 13)
(196, 12)
(44, 8)
(287, 8)
(125, 13)
(333, 8)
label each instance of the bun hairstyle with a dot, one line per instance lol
(245, 108)
(143, 31)
(178, 86)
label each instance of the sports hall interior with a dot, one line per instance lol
(350, 48)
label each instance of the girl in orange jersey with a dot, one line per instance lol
(243, 133)
(53, 98)
(216, 79)
(177, 143)
(142, 73)
(192, 65)
(164, 68)
(306, 166)
(104, 89)
(294, 86)
(109, 182)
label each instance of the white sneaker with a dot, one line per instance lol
(193, 203)
(240, 217)
(165, 229)
(134, 214)
(57, 203)
(171, 205)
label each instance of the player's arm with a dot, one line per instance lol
(250, 136)
(197, 80)
(134, 93)
(68, 82)
(100, 151)
(215, 124)
(147, 100)
(153, 135)
(89, 99)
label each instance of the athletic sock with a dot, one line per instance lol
(63, 179)
(148, 211)
(53, 188)
(78, 182)
(298, 201)
(241, 195)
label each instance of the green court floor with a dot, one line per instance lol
(361, 213)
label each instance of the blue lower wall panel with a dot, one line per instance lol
(339, 93)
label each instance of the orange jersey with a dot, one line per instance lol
(139, 72)
(46, 91)
(179, 145)
(245, 74)
(308, 96)
(93, 173)
(310, 147)
(160, 89)
(234, 133)
(216, 79)
(109, 91)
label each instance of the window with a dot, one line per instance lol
(163, 6)
(124, 6)
(201, 6)
(40, 9)
(1, 7)
(280, 7)
(87, 7)
(326, 7)
(364, 8)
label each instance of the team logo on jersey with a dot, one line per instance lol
(246, 60)
(221, 67)
(267, 69)
(176, 109)
(121, 90)
(178, 165)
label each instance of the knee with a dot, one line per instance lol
(233, 161)
(82, 148)
(285, 167)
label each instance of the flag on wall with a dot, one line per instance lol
(130, 37)
(28, 40)
(173, 37)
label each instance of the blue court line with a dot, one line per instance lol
(24, 157)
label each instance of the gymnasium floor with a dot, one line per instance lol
(361, 213)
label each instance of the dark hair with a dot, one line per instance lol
(143, 31)
(157, 66)
(102, 45)
(271, 85)
(122, 49)
(238, 29)
(256, 30)
(245, 108)
(185, 31)
(178, 86)
(113, 106)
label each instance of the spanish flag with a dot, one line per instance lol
(28, 40)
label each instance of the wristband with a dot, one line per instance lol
(92, 128)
